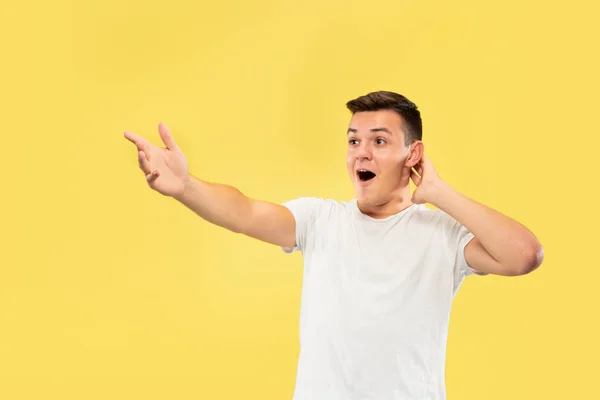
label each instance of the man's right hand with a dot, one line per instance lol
(166, 169)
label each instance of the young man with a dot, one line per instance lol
(380, 271)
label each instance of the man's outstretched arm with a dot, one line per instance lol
(227, 207)
(166, 171)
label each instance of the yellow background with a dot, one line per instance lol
(110, 291)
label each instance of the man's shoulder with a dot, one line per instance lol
(320, 206)
(426, 212)
(430, 219)
(314, 201)
(438, 222)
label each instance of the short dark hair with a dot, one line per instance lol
(384, 100)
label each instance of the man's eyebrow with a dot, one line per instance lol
(382, 129)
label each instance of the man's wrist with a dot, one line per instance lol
(185, 191)
(439, 192)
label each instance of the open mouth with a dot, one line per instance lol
(365, 175)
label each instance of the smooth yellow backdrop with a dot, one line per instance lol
(110, 291)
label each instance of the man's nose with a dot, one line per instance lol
(364, 152)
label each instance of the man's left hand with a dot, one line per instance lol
(426, 179)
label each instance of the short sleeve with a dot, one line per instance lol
(304, 210)
(457, 236)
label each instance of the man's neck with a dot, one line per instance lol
(397, 202)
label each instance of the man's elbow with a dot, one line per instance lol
(532, 258)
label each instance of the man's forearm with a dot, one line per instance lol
(216, 203)
(506, 240)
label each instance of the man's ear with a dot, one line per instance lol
(415, 153)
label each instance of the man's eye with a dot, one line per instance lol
(381, 141)
(353, 141)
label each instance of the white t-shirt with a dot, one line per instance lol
(376, 298)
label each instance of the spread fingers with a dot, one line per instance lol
(143, 162)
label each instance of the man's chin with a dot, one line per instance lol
(366, 192)
(365, 198)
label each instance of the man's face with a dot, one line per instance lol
(376, 155)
